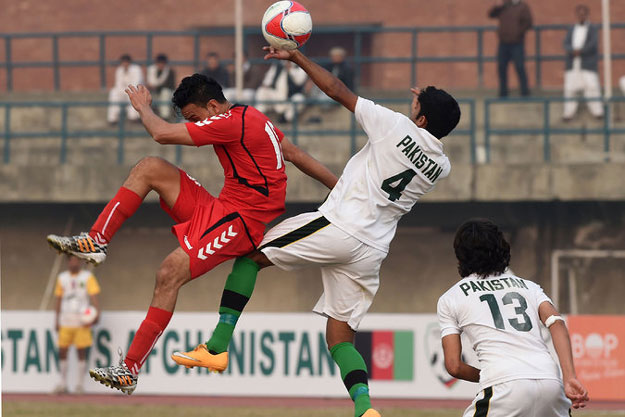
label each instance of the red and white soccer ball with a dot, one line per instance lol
(88, 315)
(286, 25)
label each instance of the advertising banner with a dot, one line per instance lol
(598, 344)
(272, 354)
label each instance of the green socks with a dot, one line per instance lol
(237, 291)
(354, 375)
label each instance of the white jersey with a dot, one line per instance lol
(499, 314)
(381, 183)
(75, 291)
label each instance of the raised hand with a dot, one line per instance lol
(140, 97)
(273, 53)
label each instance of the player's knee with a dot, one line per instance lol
(147, 166)
(168, 279)
(331, 339)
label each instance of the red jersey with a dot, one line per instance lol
(248, 147)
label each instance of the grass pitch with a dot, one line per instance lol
(23, 409)
(41, 409)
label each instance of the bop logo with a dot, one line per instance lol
(594, 345)
(599, 354)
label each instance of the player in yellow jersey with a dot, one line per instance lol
(76, 291)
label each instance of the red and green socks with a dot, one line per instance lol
(354, 375)
(237, 291)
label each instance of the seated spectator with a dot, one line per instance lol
(126, 74)
(215, 70)
(283, 81)
(582, 57)
(252, 77)
(340, 69)
(161, 80)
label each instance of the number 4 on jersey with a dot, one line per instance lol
(397, 183)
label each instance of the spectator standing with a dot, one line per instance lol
(76, 290)
(252, 77)
(283, 81)
(621, 82)
(216, 70)
(582, 65)
(126, 73)
(161, 79)
(515, 19)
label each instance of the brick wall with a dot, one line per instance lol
(74, 15)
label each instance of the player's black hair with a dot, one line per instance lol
(125, 57)
(197, 89)
(161, 58)
(481, 248)
(440, 109)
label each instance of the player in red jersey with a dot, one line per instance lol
(210, 230)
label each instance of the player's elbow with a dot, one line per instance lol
(159, 138)
(453, 367)
(163, 137)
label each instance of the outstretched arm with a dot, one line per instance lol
(573, 389)
(307, 164)
(163, 132)
(326, 82)
(452, 349)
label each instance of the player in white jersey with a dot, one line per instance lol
(76, 291)
(349, 236)
(501, 315)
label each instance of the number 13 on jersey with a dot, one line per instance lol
(521, 322)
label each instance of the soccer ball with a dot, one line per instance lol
(88, 315)
(286, 25)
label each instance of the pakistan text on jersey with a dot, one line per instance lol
(420, 160)
(492, 285)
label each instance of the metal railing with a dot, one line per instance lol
(296, 129)
(414, 58)
(607, 130)
(121, 132)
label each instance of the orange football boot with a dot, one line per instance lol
(200, 356)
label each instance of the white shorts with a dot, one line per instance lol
(350, 269)
(521, 398)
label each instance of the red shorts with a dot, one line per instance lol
(209, 231)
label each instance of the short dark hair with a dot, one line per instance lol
(212, 55)
(125, 57)
(197, 89)
(161, 58)
(440, 109)
(481, 248)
